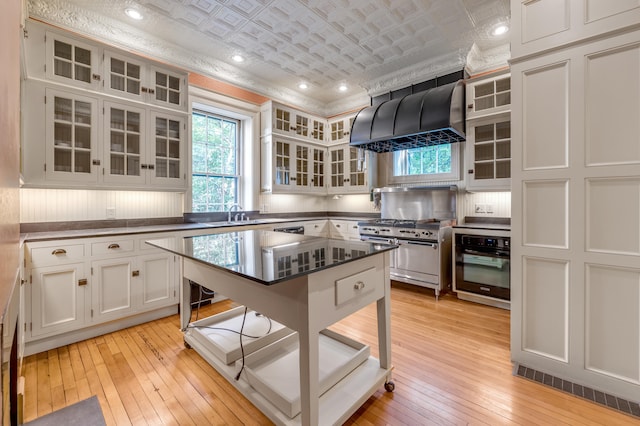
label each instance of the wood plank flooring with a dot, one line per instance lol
(451, 367)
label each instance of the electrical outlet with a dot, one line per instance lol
(111, 212)
(480, 208)
(489, 208)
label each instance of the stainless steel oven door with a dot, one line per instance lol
(483, 273)
(392, 253)
(417, 261)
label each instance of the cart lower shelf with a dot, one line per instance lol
(336, 405)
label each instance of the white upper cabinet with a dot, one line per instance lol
(348, 170)
(282, 120)
(541, 25)
(340, 129)
(292, 166)
(488, 96)
(97, 117)
(70, 61)
(137, 79)
(488, 130)
(489, 154)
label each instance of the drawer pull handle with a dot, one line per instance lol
(59, 251)
(82, 282)
(135, 273)
(358, 286)
(114, 246)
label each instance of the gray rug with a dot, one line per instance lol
(83, 413)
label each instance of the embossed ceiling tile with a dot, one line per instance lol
(231, 17)
(248, 8)
(207, 6)
(191, 15)
(217, 29)
(329, 8)
(163, 6)
(271, 19)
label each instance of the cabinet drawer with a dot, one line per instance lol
(111, 247)
(356, 285)
(57, 254)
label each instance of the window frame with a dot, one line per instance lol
(207, 112)
(453, 175)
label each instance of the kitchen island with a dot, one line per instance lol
(303, 284)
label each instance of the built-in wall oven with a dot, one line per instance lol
(482, 264)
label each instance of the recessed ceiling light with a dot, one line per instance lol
(499, 30)
(343, 88)
(303, 86)
(133, 14)
(238, 58)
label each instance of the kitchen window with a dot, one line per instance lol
(215, 162)
(431, 163)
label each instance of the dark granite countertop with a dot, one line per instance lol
(62, 234)
(269, 257)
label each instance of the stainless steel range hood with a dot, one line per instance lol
(431, 117)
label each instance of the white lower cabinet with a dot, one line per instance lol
(112, 292)
(157, 273)
(78, 284)
(58, 299)
(344, 229)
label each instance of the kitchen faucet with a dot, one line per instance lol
(238, 208)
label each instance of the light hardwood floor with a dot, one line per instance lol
(451, 367)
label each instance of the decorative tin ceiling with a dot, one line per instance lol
(372, 46)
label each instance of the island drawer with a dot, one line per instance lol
(356, 285)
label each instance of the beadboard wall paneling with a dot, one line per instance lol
(352, 203)
(475, 203)
(291, 203)
(58, 205)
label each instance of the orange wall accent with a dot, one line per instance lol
(226, 89)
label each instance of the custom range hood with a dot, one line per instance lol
(430, 117)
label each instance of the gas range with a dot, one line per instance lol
(423, 230)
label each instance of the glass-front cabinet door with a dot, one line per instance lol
(124, 76)
(167, 88)
(489, 153)
(71, 137)
(357, 167)
(282, 166)
(167, 165)
(72, 62)
(302, 166)
(336, 167)
(317, 167)
(124, 139)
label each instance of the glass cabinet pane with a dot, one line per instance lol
(283, 120)
(302, 125)
(484, 170)
(503, 169)
(125, 76)
(125, 142)
(72, 62)
(484, 89)
(167, 152)
(72, 134)
(484, 152)
(484, 133)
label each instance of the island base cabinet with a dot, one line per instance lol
(57, 299)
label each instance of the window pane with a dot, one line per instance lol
(423, 161)
(215, 153)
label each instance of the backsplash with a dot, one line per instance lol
(484, 204)
(58, 205)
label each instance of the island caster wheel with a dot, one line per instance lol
(186, 345)
(389, 386)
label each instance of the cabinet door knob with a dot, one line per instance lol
(59, 251)
(358, 286)
(114, 246)
(82, 282)
(135, 273)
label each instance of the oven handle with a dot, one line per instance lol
(377, 239)
(486, 253)
(419, 243)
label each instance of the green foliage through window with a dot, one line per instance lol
(215, 148)
(429, 160)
